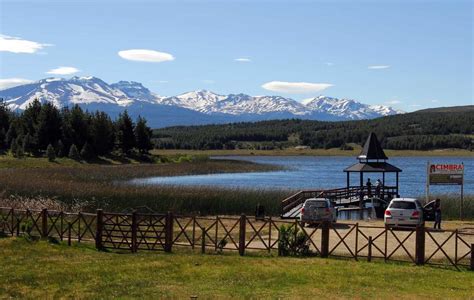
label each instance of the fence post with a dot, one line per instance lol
(325, 239)
(203, 240)
(369, 249)
(99, 229)
(472, 257)
(134, 231)
(169, 232)
(44, 223)
(243, 222)
(420, 245)
(69, 233)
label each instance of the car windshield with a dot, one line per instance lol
(403, 205)
(317, 204)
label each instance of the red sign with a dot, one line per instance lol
(439, 174)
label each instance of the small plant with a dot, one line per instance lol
(74, 153)
(50, 153)
(221, 245)
(292, 242)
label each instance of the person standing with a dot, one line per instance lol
(378, 186)
(437, 211)
(369, 188)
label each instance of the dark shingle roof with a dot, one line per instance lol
(372, 167)
(372, 149)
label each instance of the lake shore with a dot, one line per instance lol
(314, 152)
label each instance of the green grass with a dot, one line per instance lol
(42, 270)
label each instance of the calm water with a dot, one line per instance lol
(304, 172)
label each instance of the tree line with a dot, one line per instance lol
(411, 131)
(43, 129)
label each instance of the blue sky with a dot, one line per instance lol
(407, 54)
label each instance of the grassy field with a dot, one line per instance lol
(315, 152)
(58, 271)
(87, 187)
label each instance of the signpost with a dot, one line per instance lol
(446, 174)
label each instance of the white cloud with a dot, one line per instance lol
(63, 71)
(209, 81)
(145, 55)
(12, 82)
(18, 45)
(415, 105)
(243, 59)
(378, 67)
(435, 101)
(329, 64)
(295, 87)
(394, 102)
(163, 81)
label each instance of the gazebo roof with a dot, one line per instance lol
(373, 167)
(372, 149)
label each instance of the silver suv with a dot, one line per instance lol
(404, 212)
(316, 210)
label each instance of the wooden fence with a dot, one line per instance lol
(165, 232)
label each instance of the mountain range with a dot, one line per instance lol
(192, 108)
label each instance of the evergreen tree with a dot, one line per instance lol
(102, 133)
(49, 126)
(60, 149)
(5, 116)
(74, 127)
(12, 133)
(125, 136)
(73, 153)
(3, 143)
(50, 153)
(13, 146)
(87, 152)
(143, 135)
(27, 144)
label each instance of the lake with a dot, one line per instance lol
(314, 172)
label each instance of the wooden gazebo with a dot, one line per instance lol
(372, 159)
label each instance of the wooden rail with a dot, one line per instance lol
(138, 232)
(337, 195)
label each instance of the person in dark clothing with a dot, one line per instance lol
(437, 211)
(378, 186)
(369, 188)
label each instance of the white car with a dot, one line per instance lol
(316, 210)
(404, 212)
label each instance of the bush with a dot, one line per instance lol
(87, 152)
(293, 242)
(73, 153)
(50, 153)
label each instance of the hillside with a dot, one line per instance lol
(421, 130)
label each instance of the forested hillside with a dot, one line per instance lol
(423, 130)
(43, 129)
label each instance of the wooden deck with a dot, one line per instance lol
(343, 197)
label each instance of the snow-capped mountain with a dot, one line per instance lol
(196, 107)
(348, 108)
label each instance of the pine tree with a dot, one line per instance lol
(87, 152)
(51, 153)
(73, 153)
(49, 126)
(13, 146)
(143, 135)
(125, 136)
(27, 144)
(102, 133)
(60, 149)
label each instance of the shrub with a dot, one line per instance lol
(87, 152)
(73, 153)
(292, 242)
(50, 153)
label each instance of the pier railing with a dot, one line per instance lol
(352, 194)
